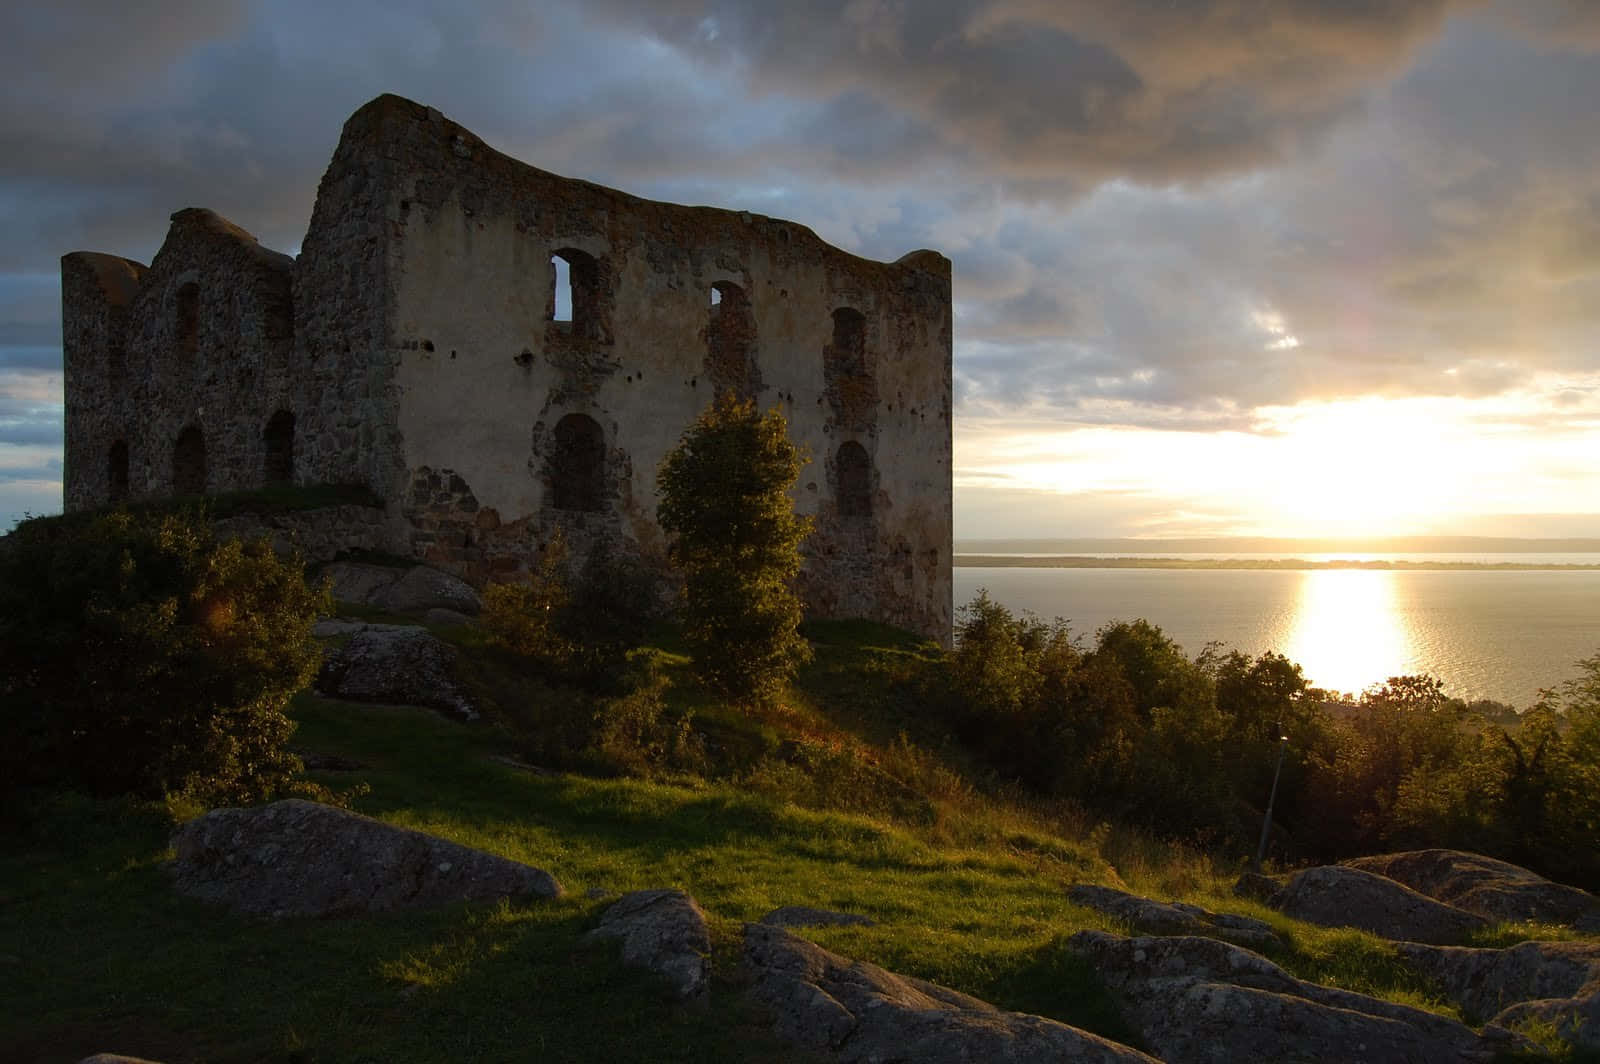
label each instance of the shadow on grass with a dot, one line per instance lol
(109, 957)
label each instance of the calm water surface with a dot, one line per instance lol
(1500, 635)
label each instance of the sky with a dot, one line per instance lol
(1266, 267)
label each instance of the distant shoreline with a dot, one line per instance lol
(1078, 561)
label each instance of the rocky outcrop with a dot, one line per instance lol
(1336, 896)
(805, 916)
(423, 588)
(665, 932)
(1173, 918)
(1494, 890)
(1200, 1001)
(1576, 1020)
(401, 590)
(853, 1011)
(1554, 984)
(1257, 887)
(1485, 981)
(396, 664)
(297, 858)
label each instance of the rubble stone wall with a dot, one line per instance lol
(421, 348)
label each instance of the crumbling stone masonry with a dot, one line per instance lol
(503, 354)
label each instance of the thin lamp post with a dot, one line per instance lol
(1266, 822)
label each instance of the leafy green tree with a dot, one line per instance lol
(736, 539)
(139, 656)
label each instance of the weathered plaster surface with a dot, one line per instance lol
(424, 361)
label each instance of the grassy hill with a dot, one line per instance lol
(967, 888)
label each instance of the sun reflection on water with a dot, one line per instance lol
(1347, 632)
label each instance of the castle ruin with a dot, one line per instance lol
(500, 354)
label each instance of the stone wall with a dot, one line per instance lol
(318, 535)
(416, 347)
(503, 401)
(96, 294)
(174, 371)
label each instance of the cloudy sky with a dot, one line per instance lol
(1256, 266)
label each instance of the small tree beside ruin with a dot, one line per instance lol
(736, 539)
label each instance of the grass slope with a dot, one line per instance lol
(97, 952)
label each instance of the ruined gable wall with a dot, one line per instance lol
(96, 293)
(345, 363)
(206, 341)
(482, 377)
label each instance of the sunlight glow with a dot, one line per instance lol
(1346, 633)
(1363, 466)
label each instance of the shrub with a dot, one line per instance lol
(736, 539)
(140, 657)
(524, 616)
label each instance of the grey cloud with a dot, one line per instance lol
(1558, 24)
(1123, 188)
(23, 357)
(27, 433)
(1150, 89)
(46, 469)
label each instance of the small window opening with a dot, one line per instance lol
(850, 339)
(117, 471)
(189, 463)
(563, 282)
(187, 324)
(854, 469)
(578, 465)
(577, 274)
(731, 341)
(279, 440)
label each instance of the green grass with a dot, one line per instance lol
(98, 953)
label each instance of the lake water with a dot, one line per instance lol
(1500, 635)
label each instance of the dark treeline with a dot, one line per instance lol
(1133, 728)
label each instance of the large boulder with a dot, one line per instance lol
(1336, 896)
(358, 582)
(1485, 981)
(1173, 918)
(398, 664)
(401, 590)
(1576, 1020)
(665, 932)
(847, 1010)
(1199, 1001)
(423, 589)
(1495, 890)
(298, 858)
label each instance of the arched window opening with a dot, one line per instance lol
(189, 463)
(186, 326)
(578, 465)
(853, 467)
(117, 471)
(727, 297)
(575, 291)
(850, 340)
(731, 341)
(279, 440)
(563, 289)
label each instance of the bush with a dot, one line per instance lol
(140, 657)
(736, 539)
(524, 616)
